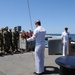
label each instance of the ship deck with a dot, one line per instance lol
(24, 64)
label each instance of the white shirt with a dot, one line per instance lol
(65, 36)
(38, 35)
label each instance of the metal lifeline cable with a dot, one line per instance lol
(30, 22)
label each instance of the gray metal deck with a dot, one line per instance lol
(23, 64)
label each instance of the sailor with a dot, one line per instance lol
(6, 39)
(15, 39)
(1, 39)
(65, 40)
(10, 38)
(39, 37)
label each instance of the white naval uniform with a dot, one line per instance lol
(39, 37)
(65, 36)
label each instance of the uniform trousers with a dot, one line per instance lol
(65, 48)
(39, 58)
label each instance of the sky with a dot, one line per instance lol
(54, 15)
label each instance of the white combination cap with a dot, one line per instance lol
(37, 21)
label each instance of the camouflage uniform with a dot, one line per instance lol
(15, 39)
(7, 41)
(1, 39)
(10, 38)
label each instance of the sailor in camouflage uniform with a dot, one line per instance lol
(1, 39)
(6, 39)
(15, 39)
(10, 38)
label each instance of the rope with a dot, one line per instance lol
(30, 15)
(30, 24)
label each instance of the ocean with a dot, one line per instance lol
(72, 37)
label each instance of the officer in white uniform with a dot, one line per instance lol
(39, 37)
(65, 40)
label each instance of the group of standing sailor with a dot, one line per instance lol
(8, 40)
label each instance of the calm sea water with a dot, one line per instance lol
(72, 36)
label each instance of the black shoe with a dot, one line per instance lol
(43, 73)
(1, 54)
(37, 73)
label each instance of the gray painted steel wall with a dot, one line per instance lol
(54, 46)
